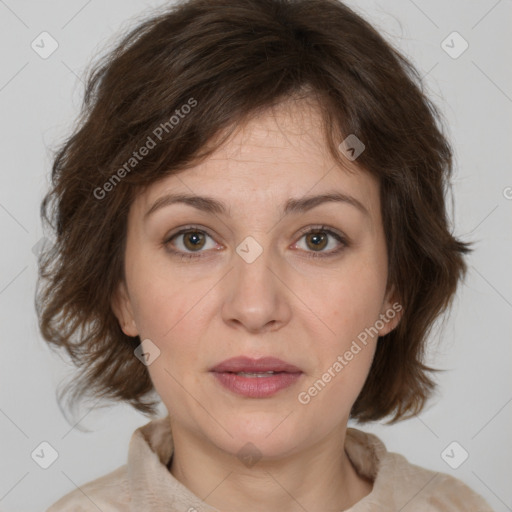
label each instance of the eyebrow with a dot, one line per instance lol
(292, 206)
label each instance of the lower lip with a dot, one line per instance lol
(256, 387)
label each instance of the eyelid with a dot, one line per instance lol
(341, 238)
(183, 230)
(323, 227)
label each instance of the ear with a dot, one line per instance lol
(391, 312)
(122, 308)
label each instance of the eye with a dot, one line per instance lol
(317, 239)
(189, 240)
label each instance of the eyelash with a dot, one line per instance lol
(305, 231)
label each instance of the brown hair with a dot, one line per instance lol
(227, 61)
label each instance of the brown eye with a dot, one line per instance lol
(189, 242)
(193, 240)
(317, 240)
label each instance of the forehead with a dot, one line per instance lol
(281, 153)
(291, 130)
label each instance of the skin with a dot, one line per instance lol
(303, 310)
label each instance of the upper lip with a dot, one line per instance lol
(247, 364)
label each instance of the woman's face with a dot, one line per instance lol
(250, 281)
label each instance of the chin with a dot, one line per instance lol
(265, 433)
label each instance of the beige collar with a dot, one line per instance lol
(153, 488)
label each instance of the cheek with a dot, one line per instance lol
(169, 315)
(333, 393)
(163, 301)
(170, 320)
(350, 299)
(344, 360)
(349, 305)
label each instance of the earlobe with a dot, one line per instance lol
(391, 313)
(121, 306)
(390, 322)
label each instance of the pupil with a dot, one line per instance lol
(317, 239)
(194, 239)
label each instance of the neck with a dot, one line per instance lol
(318, 479)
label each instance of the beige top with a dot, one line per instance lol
(145, 484)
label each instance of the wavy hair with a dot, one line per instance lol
(237, 59)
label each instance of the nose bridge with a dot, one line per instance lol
(255, 296)
(253, 275)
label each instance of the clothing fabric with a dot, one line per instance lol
(145, 484)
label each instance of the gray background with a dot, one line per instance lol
(39, 99)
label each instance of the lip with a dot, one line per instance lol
(247, 364)
(256, 386)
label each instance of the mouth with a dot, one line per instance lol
(256, 378)
(255, 367)
(255, 374)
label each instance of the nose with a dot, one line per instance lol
(256, 297)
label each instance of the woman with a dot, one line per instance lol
(250, 225)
